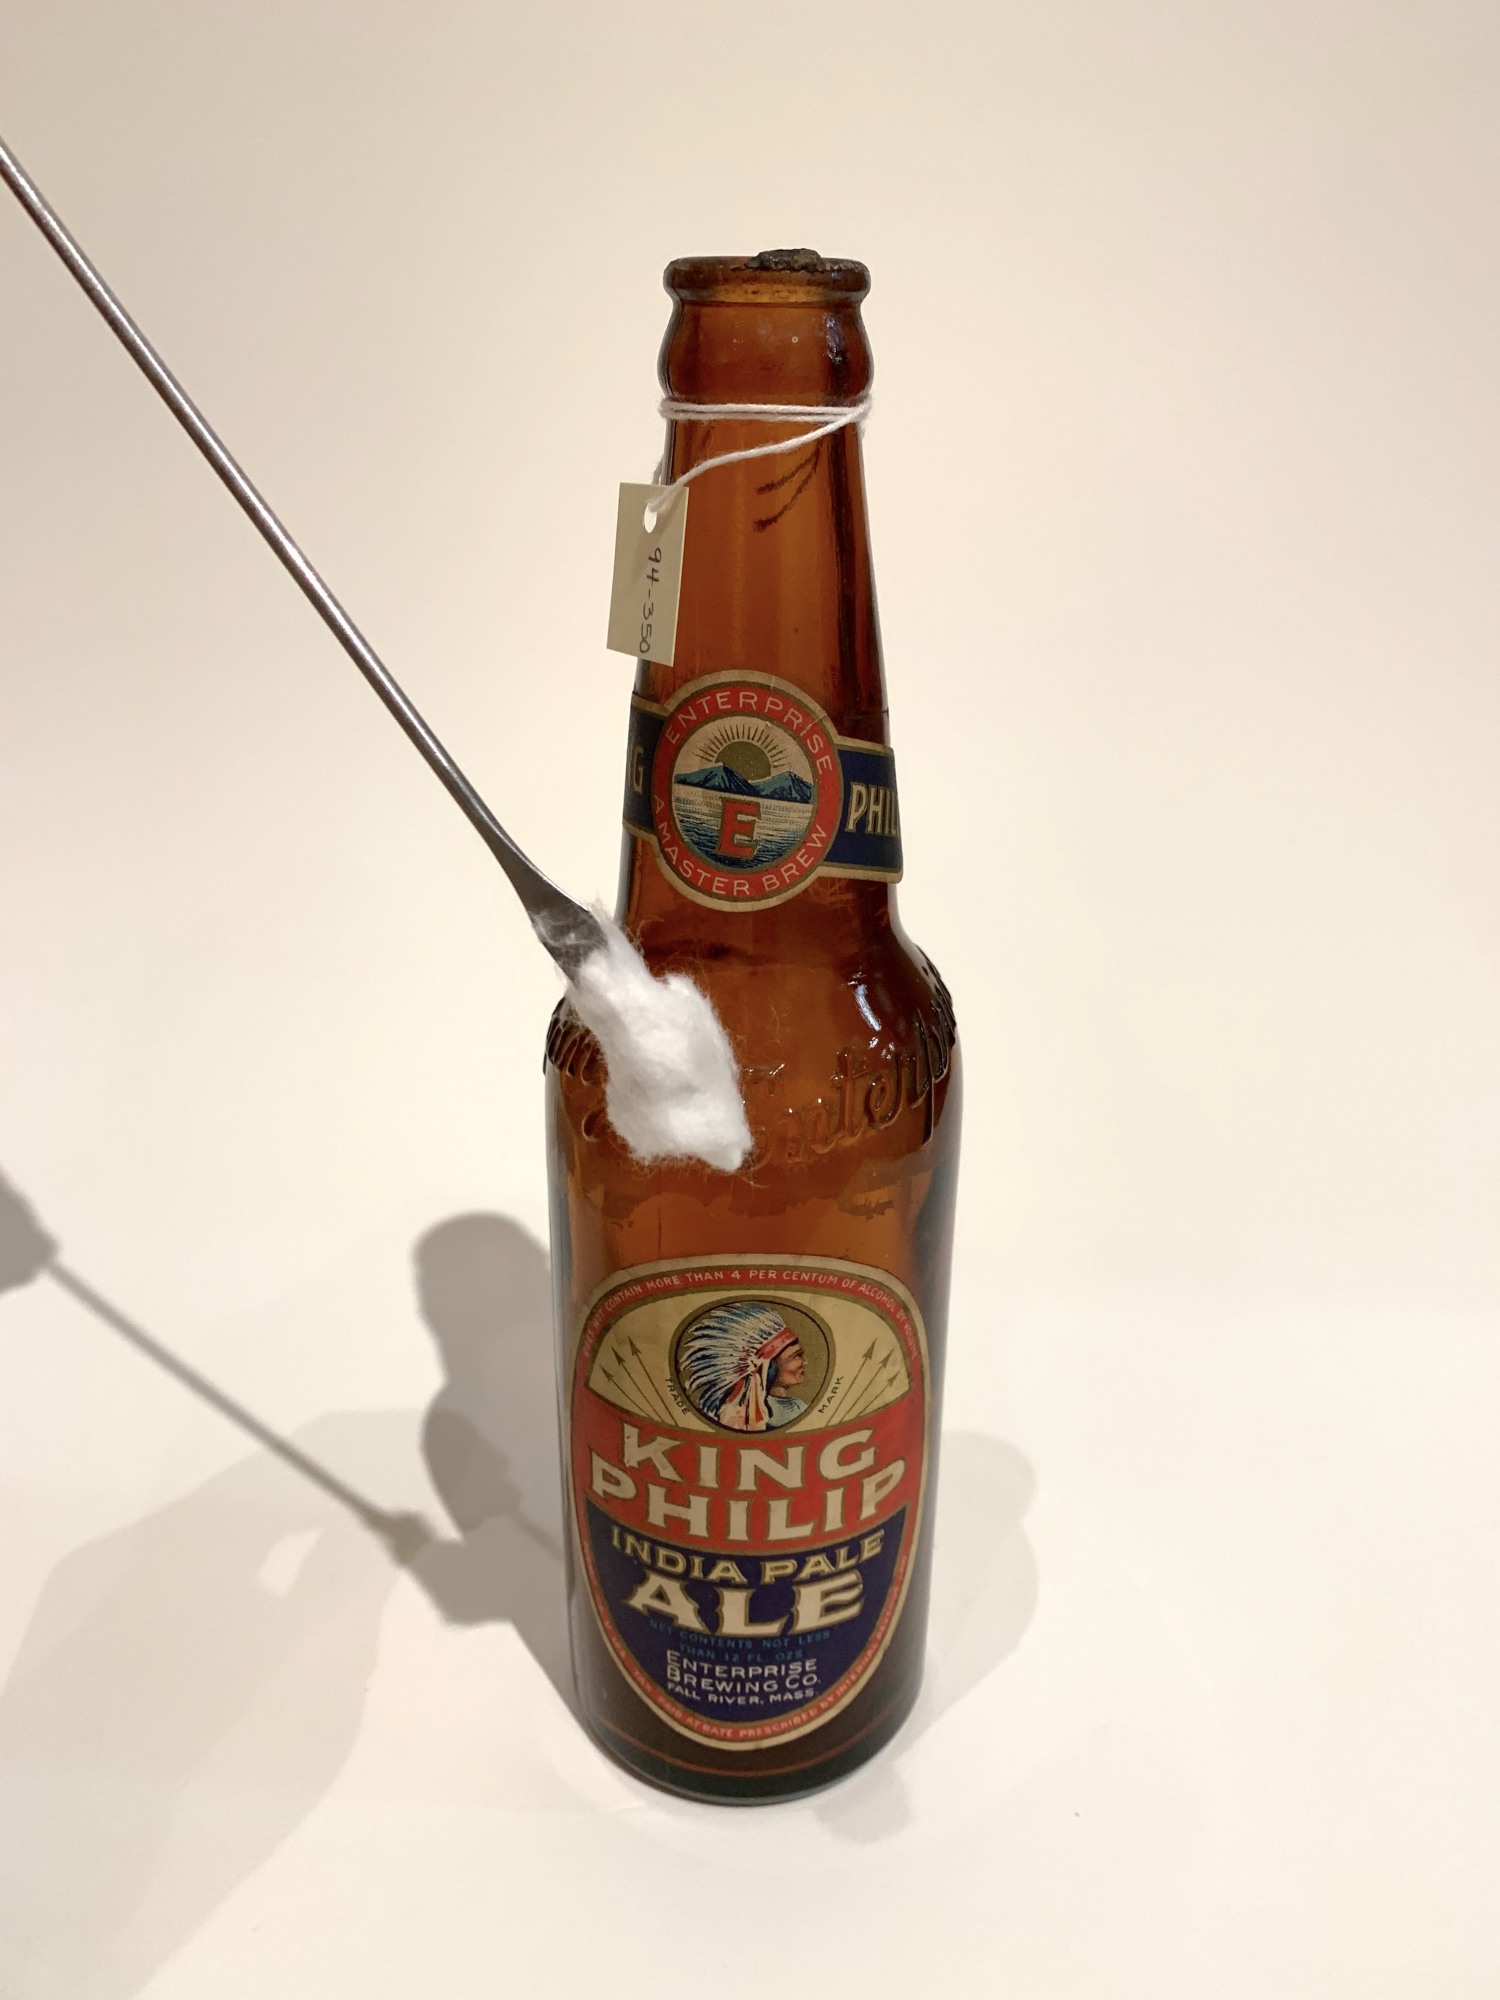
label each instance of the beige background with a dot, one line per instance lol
(1183, 479)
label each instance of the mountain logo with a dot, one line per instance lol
(724, 778)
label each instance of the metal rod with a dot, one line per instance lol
(567, 930)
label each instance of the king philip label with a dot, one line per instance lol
(748, 1466)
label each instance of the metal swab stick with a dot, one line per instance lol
(569, 932)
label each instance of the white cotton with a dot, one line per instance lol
(672, 1086)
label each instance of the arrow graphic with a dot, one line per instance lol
(835, 1416)
(653, 1393)
(884, 1378)
(625, 1392)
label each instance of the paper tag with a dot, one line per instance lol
(648, 575)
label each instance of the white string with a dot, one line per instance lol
(676, 411)
(826, 417)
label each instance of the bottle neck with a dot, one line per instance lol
(777, 575)
(778, 596)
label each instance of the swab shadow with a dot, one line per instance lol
(25, 1247)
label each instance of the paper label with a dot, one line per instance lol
(648, 574)
(748, 1465)
(747, 794)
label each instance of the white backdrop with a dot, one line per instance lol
(1183, 477)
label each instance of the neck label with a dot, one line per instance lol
(746, 793)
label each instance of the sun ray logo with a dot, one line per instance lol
(748, 1467)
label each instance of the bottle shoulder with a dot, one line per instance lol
(847, 1052)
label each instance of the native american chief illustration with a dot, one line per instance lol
(739, 1364)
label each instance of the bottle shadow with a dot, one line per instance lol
(984, 1594)
(189, 1686)
(490, 1438)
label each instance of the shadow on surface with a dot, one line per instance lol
(984, 1591)
(491, 1439)
(186, 1691)
(191, 1685)
(25, 1247)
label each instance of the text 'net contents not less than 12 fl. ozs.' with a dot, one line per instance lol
(751, 1358)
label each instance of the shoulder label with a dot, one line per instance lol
(748, 1466)
(747, 794)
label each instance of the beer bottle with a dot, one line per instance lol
(750, 1363)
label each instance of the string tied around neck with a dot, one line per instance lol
(826, 418)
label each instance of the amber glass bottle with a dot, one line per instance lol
(750, 1363)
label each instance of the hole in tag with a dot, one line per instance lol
(649, 533)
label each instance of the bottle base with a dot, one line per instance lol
(763, 1789)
